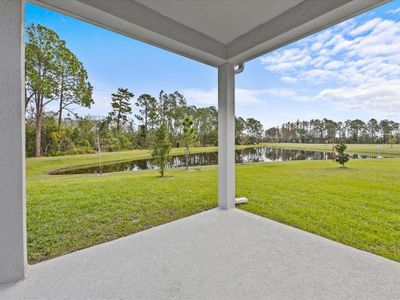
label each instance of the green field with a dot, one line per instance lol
(358, 206)
(381, 150)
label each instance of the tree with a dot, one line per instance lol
(373, 128)
(49, 125)
(331, 128)
(72, 86)
(255, 129)
(161, 148)
(272, 134)
(172, 109)
(356, 127)
(342, 157)
(52, 73)
(206, 121)
(40, 73)
(180, 110)
(240, 126)
(188, 137)
(392, 140)
(147, 114)
(387, 127)
(121, 106)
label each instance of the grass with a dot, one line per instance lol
(67, 213)
(358, 206)
(367, 149)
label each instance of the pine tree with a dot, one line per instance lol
(52, 73)
(342, 157)
(147, 106)
(121, 107)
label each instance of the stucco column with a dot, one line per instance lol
(226, 136)
(13, 259)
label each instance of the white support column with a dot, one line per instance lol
(226, 136)
(13, 258)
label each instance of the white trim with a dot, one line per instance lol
(137, 21)
(13, 254)
(226, 136)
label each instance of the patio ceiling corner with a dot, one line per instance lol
(213, 32)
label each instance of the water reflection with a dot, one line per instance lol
(202, 159)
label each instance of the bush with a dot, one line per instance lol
(342, 157)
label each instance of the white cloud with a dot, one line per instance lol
(286, 94)
(246, 97)
(394, 11)
(365, 27)
(287, 60)
(333, 65)
(335, 50)
(202, 97)
(358, 61)
(243, 97)
(288, 79)
(102, 100)
(383, 98)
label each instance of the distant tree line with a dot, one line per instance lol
(133, 124)
(329, 131)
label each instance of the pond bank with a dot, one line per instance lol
(245, 155)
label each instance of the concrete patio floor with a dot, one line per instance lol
(214, 255)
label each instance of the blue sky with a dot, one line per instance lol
(351, 70)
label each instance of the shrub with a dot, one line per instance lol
(342, 157)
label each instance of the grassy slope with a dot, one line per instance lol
(359, 206)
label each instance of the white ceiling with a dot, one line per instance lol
(223, 20)
(214, 31)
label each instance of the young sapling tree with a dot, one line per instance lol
(161, 148)
(189, 135)
(342, 158)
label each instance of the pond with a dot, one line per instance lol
(249, 155)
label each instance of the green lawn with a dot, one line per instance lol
(358, 206)
(368, 149)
